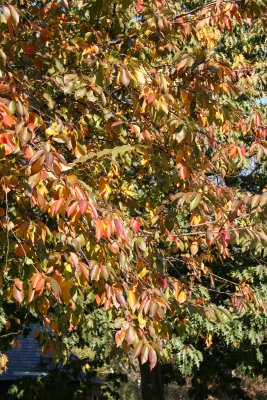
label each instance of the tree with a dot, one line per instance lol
(126, 131)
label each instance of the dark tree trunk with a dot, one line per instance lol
(151, 382)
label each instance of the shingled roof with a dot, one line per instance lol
(26, 360)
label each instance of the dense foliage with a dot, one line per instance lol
(131, 133)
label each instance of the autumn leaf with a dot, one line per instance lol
(83, 206)
(29, 49)
(135, 224)
(125, 77)
(120, 229)
(56, 207)
(18, 291)
(182, 297)
(139, 6)
(132, 300)
(99, 229)
(7, 141)
(8, 121)
(152, 356)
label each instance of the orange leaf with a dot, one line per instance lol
(8, 121)
(72, 208)
(57, 206)
(132, 299)
(6, 141)
(183, 173)
(119, 338)
(28, 152)
(35, 279)
(99, 229)
(114, 248)
(18, 291)
(109, 229)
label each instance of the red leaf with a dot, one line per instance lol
(226, 236)
(57, 206)
(139, 6)
(83, 206)
(135, 224)
(120, 229)
(29, 49)
(163, 282)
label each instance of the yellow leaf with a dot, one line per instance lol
(140, 77)
(182, 297)
(208, 341)
(197, 220)
(132, 299)
(143, 273)
(104, 188)
(142, 321)
(194, 248)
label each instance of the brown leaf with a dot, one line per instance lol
(18, 291)
(55, 286)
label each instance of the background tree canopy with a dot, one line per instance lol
(133, 174)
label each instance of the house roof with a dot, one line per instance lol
(26, 359)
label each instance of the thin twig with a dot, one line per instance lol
(202, 7)
(9, 334)
(7, 230)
